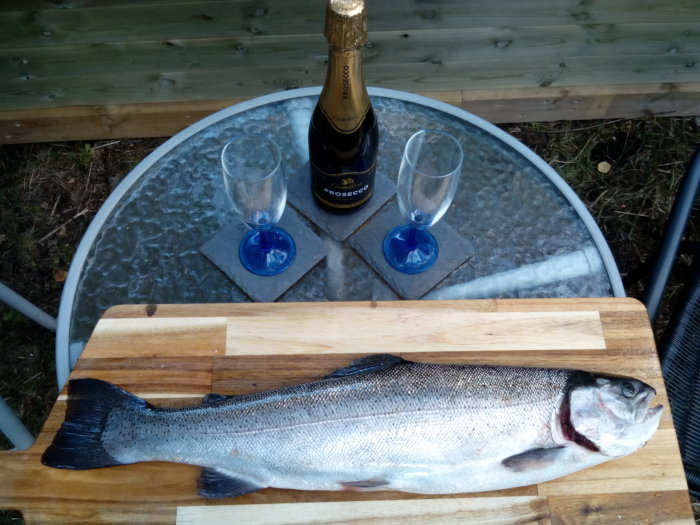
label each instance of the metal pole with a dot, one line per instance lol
(12, 427)
(23, 306)
(671, 239)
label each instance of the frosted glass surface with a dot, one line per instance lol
(528, 240)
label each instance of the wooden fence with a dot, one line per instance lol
(85, 69)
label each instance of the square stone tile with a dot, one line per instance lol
(338, 227)
(454, 250)
(222, 250)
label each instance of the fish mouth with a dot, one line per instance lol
(645, 411)
(654, 411)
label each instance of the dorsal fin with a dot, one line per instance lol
(214, 399)
(370, 363)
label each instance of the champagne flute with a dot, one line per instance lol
(428, 177)
(257, 188)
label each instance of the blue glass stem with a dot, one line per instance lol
(265, 241)
(267, 252)
(410, 250)
(411, 239)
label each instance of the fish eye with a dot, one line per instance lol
(628, 389)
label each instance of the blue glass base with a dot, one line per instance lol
(410, 250)
(268, 252)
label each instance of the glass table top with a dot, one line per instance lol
(531, 235)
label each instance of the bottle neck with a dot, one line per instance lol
(344, 98)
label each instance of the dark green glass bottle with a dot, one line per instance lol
(343, 134)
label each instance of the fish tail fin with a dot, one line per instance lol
(78, 443)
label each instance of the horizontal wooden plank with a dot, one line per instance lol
(104, 121)
(503, 73)
(627, 306)
(662, 508)
(584, 102)
(178, 376)
(226, 310)
(104, 516)
(496, 105)
(257, 373)
(494, 511)
(445, 45)
(619, 305)
(337, 331)
(442, 67)
(134, 338)
(131, 21)
(143, 485)
(168, 311)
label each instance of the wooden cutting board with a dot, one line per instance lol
(174, 354)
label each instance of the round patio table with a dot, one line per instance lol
(530, 234)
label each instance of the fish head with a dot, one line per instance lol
(614, 413)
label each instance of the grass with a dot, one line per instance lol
(626, 171)
(48, 196)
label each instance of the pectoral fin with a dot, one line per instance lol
(365, 484)
(213, 483)
(533, 459)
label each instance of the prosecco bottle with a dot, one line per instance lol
(343, 135)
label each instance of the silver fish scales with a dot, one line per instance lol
(382, 423)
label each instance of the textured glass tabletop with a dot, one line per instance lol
(531, 236)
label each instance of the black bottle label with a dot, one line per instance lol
(343, 190)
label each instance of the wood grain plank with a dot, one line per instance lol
(443, 511)
(590, 304)
(556, 43)
(175, 376)
(257, 309)
(134, 311)
(620, 304)
(134, 21)
(243, 79)
(139, 486)
(584, 102)
(663, 508)
(113, 119)
(256, 373)
(412, 331)
(199, 336)
(107, 516)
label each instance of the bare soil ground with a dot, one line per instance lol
(626, 171)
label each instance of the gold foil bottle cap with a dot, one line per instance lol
(346, 23)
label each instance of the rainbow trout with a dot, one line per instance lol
(382, 423)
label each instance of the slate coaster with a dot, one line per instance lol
(222, 250)
(454, 250)
(338, 227)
